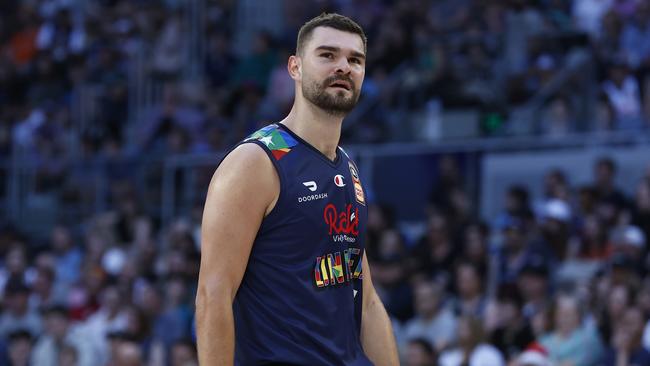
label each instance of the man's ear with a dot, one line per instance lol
(294, 66)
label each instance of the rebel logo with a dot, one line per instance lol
(338, 180)
(344, 222)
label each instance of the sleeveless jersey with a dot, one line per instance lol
(299, 302)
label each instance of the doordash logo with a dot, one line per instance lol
(311, 185)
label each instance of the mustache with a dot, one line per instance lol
(335, 78)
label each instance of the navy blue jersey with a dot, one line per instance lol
(300, 299)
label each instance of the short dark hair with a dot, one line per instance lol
(20, 334)
(56, 309)
(607, 162)
(509, 293)
(331, 20)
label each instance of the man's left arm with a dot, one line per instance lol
(377, 336)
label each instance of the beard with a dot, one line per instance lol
(337, 104)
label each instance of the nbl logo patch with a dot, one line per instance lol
(358, 190)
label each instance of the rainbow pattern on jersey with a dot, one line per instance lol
(278, 141)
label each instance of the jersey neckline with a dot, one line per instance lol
(333, 163)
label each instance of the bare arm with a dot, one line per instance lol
(242, 191)
(376, 331)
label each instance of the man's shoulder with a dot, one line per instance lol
(244, 161)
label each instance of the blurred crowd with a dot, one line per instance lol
(491, 55)
(72, 71)
(73, 74)
(560, 278)
(120, 292)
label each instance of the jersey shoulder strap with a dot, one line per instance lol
(277, 141)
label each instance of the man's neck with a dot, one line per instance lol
(319, 128)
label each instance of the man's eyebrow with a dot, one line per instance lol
(337, 49)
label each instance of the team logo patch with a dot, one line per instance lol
(358, 189)
(344, 222)
(338, 180)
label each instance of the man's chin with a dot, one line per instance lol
(337, 93)
(336, 102)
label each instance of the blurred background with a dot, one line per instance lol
(504, 145)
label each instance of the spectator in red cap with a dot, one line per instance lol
(534, 355)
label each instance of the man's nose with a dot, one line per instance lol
(343, 66)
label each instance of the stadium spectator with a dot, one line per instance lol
(390, 273)
(15, 267)
(625, 346)
(46, 290)
(476, 249)
(535, 355)
(60, 334)
(433, 320)
(20, 348)
(514, 252)
(618, 300)
(594, 241)
(435, 253)
(470, 290)
(517, 206)
(589, 13)
(640, 211)
(67, 256)
(184, 353)
(109, 318)
(623, 91)
(534, 282)
(419, 352)
(571, 340)
(16, 314)
(513, 333)
(124, 352)
(472, 349)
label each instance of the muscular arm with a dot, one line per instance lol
(242, 191)
(376, 332)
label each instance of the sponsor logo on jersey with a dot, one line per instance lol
(345, 222)
(342, 238)
(338, 180)
(311, 185)
(358, 189)
(312, 197)
(338, 268)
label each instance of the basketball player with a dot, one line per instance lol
(284, 278)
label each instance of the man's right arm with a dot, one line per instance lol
(242, 191)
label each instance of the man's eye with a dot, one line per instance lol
(355, 60)
(327, 55)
